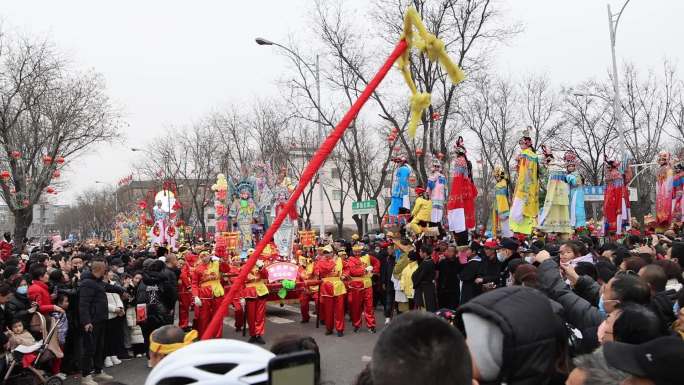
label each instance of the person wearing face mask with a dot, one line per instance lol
(19, 306)
(579, 312)
(506, 254)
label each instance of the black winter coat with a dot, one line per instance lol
(578, 311)
(532, 332)
(153, 293)
(92, 299)
(17, 308)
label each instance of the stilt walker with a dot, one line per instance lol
(664, 188)
(333, 291)
(678, 193)
(400, 188)
(360, 270)
(501, 209)
(578, 215)
(616, 215)
(555, 215)
(436, 188)
(422, 211)
(207, 290)
(525, 207)
(462, 195)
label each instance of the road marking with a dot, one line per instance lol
(293, 309)
(279, 320)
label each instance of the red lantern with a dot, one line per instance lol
(56, 174)
(142, 205)
(436, 116)
(440, 156)
(49, 190)
(419, 152)
(47, 159)
(395, 130)
(391, 138)
(176, 206)
(15, 154)
(412, 179)
(60, 160)
(5, 175)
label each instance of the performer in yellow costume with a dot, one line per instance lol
(525, 206)
(500, 211)
(422, 211)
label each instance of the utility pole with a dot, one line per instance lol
(617, 106)
(320, 140)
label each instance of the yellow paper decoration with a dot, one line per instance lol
(435, 50)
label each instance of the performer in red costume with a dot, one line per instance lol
(207, 291)
(229, 270)
(306, 272)
(333, 292)
(360, 270)
(187, 267)
(255, 293)
(616, 206)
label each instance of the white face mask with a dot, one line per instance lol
(120, 270)
(529, 259)
(501, 256)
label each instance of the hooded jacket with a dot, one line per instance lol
(533, 335)
(152, 292)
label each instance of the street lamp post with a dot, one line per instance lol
(317, 75)
(617, 106)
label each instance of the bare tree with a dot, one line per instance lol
(49, 115)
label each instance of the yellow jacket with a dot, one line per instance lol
(422, 210)
(406, 283)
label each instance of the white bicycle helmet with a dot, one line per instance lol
(213, 362)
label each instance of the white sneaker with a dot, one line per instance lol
(61, 376)
(102, 376)
(387, 321)
(88, 380)
(108, 362)
(116, 360)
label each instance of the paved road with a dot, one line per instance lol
(342, 358)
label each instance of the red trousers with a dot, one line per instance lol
(206, 312)
(333, 312)
(304, 300)
(239, 314)
(361, 300)
(256, 316)
(184, 304)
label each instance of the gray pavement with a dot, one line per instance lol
(342, 358)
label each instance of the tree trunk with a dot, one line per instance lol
(22, 220)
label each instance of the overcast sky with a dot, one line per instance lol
(170, 62)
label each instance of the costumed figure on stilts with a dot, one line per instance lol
(616, 206)
(284, 237)
(207, 291)
(360, 271)
(333, 291)
(525, 207)
(421, 213)
(243, 212)
(255, 293)
(436, 188)
(664, 188)
(400, 189)
(501, 209)
(263, 193)
(678, 193)
(555, 215)
(578, 215)
(462, 195)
